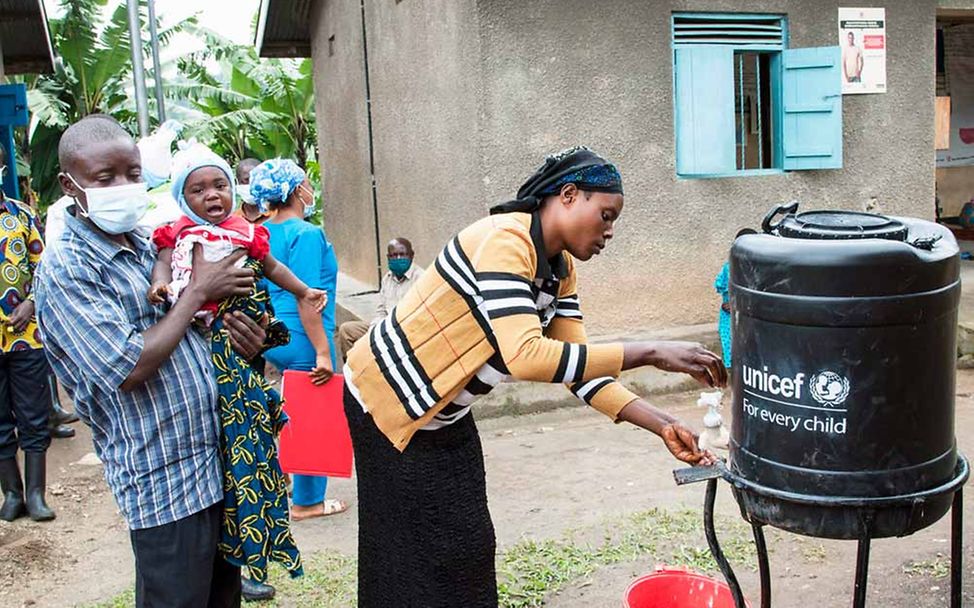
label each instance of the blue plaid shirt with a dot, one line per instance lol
(160, 441)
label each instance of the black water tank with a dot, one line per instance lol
(844, 328)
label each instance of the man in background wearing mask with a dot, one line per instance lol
(249, 209)
(401, 276)
(140, 377)
(24, 397)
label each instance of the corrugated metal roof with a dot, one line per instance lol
(24, 38)
(284, 28)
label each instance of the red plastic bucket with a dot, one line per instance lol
(677, 588)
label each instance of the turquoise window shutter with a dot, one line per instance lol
(13, 105)
(705, 136)
(812, 93)
(13, 113)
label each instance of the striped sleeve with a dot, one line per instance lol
(506, 294)
(605, 394)
(504, 270)
(568, 307)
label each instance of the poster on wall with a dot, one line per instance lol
(862, 37)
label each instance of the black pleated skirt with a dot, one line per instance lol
(426, 539)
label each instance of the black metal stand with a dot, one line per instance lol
(862, 559)
(957, 549)
(862, 573)
(711, 533)
(763, 568)
(719, 471)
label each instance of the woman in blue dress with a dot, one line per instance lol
(722, 285)
(283, 187)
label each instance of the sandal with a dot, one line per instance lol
(330, 506)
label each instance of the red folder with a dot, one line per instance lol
(315, 441)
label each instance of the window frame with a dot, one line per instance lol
(777, 76)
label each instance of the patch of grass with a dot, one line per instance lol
(328, 582)
(814, 554)
(122, 600)
(938, 567)
(532, 569)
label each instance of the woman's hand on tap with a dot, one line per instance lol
(678, 438)
(683, 357)
(683, 444)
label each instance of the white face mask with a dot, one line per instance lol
(115, 209)
(243, 191)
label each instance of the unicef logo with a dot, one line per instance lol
(829, 388)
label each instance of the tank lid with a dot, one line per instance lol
(835, 225)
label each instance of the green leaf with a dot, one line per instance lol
(240, 81)
(113, 59)
(48, 108)
(254, 106)
(44, 163)
(201, 92)
(229, 123)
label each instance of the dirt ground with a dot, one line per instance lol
(547, 474)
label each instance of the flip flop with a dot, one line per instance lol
(330, 506)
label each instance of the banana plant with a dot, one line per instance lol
(250, 106)
(92, 74)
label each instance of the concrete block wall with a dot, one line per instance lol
(468, 96)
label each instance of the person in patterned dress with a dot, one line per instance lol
(24, 397)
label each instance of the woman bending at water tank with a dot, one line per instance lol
(500, 302)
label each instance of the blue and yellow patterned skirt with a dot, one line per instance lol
(256, 520)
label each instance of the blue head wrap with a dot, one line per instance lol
(595, 178)
(273, 181)
(579, 166)
(191, 162)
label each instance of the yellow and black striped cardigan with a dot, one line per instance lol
(491, 292)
